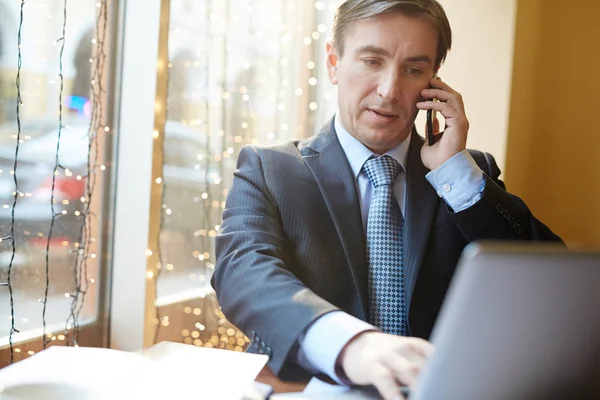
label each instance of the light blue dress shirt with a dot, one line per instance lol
(459, 181)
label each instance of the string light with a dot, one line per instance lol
(59, 172)
(8, 284)
(239, 119)
(57, 166)
(246, 83)
(85, 242)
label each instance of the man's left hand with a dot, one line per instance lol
(451, 106)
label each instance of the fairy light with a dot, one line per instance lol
(58, 205)
(230, 93)
(57, 166)
(11, 237)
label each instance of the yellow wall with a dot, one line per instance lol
(479, 65)
(553, 147)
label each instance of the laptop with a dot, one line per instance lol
(520, 321)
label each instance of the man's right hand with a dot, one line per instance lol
(384, 361)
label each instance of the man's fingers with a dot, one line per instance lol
(453, 98)
(385, 361)
(421, 346)
(417, 359)
(444, 108)
(415, 350)
(386, 384)
(438, 83)
(439, 94)
(405, 371)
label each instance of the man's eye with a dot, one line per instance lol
(371, 62)
(414, 71)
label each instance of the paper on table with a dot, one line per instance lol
(209, 373)
(83, 373)
(319, 390)
(168, 370)
(315, 385)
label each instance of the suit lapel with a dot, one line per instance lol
(327, 162)
(329, 166)
(421, 206)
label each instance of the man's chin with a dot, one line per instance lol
(380, 146)
(383, 140)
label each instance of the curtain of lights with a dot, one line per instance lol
(240, 72)
(52, 63)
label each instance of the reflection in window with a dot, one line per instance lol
(240, 72)
(55, 262)
(8, 30)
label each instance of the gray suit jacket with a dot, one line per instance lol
(292, 247)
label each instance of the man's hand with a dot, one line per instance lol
(385, 361)
(451, 106)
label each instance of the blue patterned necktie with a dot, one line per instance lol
(387, 307)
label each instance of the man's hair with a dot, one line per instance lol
(429, 10)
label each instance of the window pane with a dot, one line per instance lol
(240, 72)
(57, 189)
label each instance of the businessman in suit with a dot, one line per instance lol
(335, 252)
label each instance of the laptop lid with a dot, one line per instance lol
(520, 321)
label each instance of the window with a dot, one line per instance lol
(61, 173)
(240, 72)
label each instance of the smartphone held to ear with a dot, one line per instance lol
(431, 116)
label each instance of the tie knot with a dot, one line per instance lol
(382, 170)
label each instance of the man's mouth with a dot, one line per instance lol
(383, 113)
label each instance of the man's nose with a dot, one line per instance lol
(390, 86)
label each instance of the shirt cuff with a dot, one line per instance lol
(325, 339)
(459, 181)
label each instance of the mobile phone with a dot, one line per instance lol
(431, 115)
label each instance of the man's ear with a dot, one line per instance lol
(332, 62)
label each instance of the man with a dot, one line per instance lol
(335, 252)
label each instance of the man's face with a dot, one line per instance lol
(387, 61)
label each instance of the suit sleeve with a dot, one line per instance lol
(498, 214)
(252, 278)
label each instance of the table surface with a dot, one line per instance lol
(268, 377)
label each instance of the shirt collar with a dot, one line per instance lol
(357, 153)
